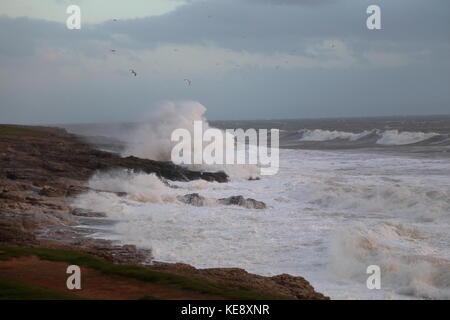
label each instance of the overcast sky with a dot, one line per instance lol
(247, 59)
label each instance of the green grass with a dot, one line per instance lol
(12, 289)
(136, 272)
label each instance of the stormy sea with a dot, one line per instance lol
(349, 193)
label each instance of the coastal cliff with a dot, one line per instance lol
(43, 168)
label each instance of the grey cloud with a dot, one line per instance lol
(293, 2)
(240, 25)
(416, 28)
(243, 26)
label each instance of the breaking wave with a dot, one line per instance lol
(326, 135)
(408, 260)
(412, 201)
(152, 139)
(387, 137)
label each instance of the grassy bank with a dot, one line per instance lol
(140, 273)
(13, 289)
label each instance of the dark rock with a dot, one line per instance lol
(193, 199)
(72, 190)
(49, 192)
(197, 200)
(167, 170)
(13, 231)
(284, 285)
(86, 213)
(248, 203)
(11, 176)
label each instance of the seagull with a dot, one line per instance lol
(133, 72)
(188, 82)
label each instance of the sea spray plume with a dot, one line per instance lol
(152, 139)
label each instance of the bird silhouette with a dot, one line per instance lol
(133, 72)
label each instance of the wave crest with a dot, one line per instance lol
(407, 267)
(387, 137)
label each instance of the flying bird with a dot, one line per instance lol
(113, 50)
(133, 72)
(188, 82)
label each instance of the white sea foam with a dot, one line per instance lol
(394, 137)
(329, 216)
(138, 186)
(387, 137)
(408, 259)
(326, 135)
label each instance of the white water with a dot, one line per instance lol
(394, 137)
(388, 137)
(325, 135)
(329, 216)
(152, 138)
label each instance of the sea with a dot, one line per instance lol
(350, 193)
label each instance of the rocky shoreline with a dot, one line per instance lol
(43, 168)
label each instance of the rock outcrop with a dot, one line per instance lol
(286, 285)
(43, 168)
(248, 203)
(199, 201)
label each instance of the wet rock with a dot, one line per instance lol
(193, 199)
(166, 170)
(72, 190)
(248, 203)
(49, 192)
(126, 254)
(87, 213)
(197, 200)
(42, 168)
(11, 175)
(13, 231)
